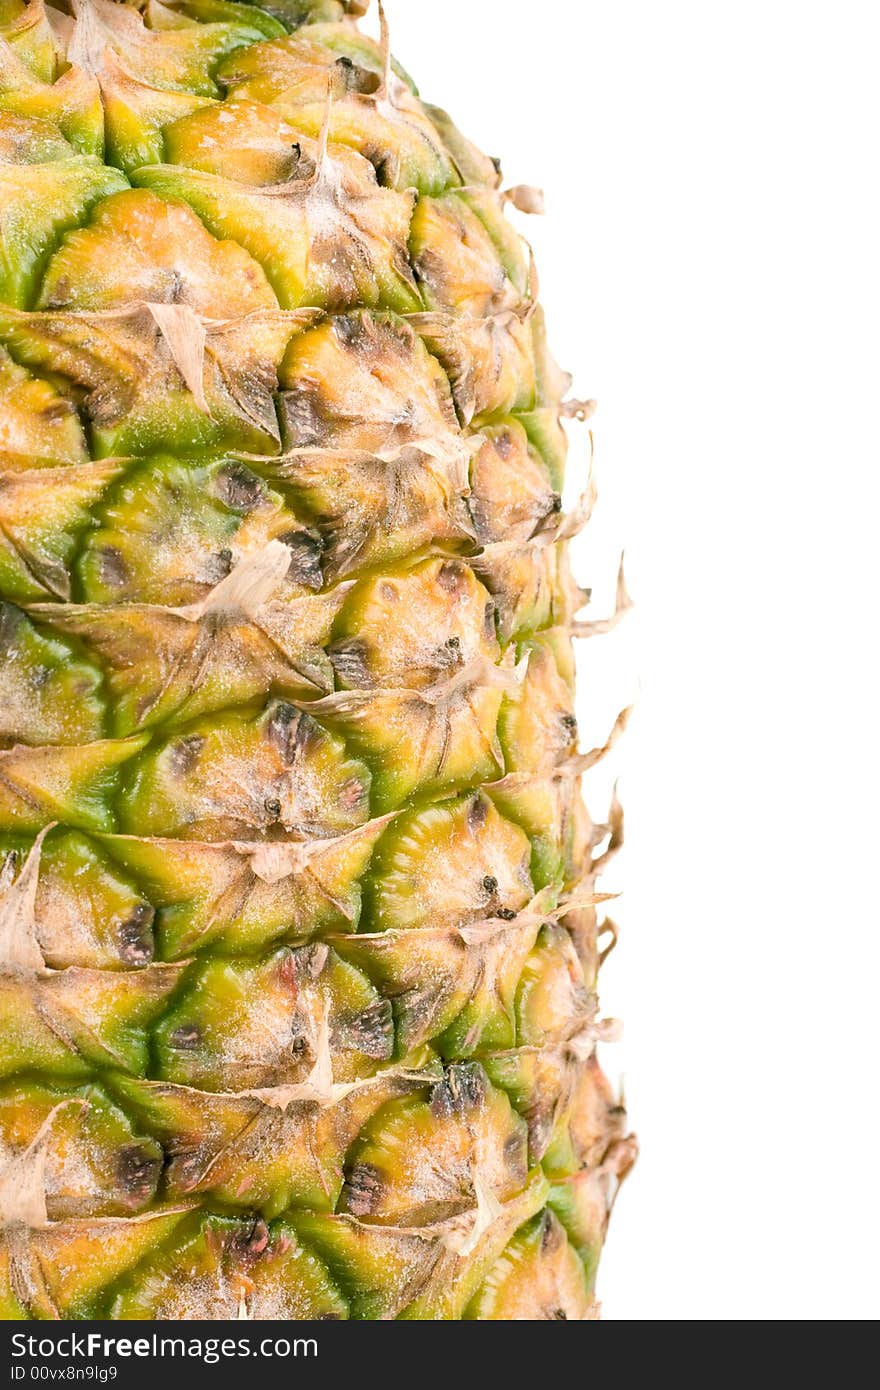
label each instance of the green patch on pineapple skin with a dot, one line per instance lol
(89, 913)
(74, 785)
(98, 1164)
(41, 202)
(538, 1277)
(209, 897)
(44, 513)
(48, 694)
(247, 774)
(219, 1267)
(80, 1260)
(171, 529)
(252, 1024)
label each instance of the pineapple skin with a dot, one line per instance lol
(298, 929)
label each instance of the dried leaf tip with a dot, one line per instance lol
(578, 410)
(623, 604)
(86, 39)
(582, 1044)
(582, 762)
(19, 947)
(61, 26)
(318, 1087)
(248, 587)
(384, 92)
(23, 1178)
(464, 1233)
(488, 1211)
(525, 199)
(274, 860)
(185, 335)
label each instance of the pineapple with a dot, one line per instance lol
(299, 921)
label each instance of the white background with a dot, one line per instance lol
(709, 262)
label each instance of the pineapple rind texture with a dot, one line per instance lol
(299, 927)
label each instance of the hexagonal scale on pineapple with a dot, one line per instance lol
(422, 1161)
(371, 110)
(175, 60)
(47, 694)
(475, 169)
(425, 715)
(531, 583)
(341, 389)
(248, 777)
(96, 1163)
(456, 261)
(547, 807)
(454, 984)
(75, 785)
(241, 643)
(170, 667)
(305, 63)
(180, 14)
(539, 1278)
(413, 628)
(420, 1273)
(243, 1024)
(136, 114)
(240, 140)
(216, 345)
(446, 866)
(231, 1269)
(511, 492)
(87, 912)
(552, 1000)
(159, 376)
(68, 1022)
(512, 251)
(63, 1271)
(260, 1150)
(539, 1086)
(171, 531)
(38, 203)
(371, 510)
(452, 987)
(39, 428)
(373, 55)
(429, 742)
(242, 897)
(27, 31)
(548, 437)
(590, 1123)
(42, 513)
(489, 361)
(331, 238)
(140, 247)
(61, 906)
(537, 724)
(581, 1205)
(72, 104)
(381, 480)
